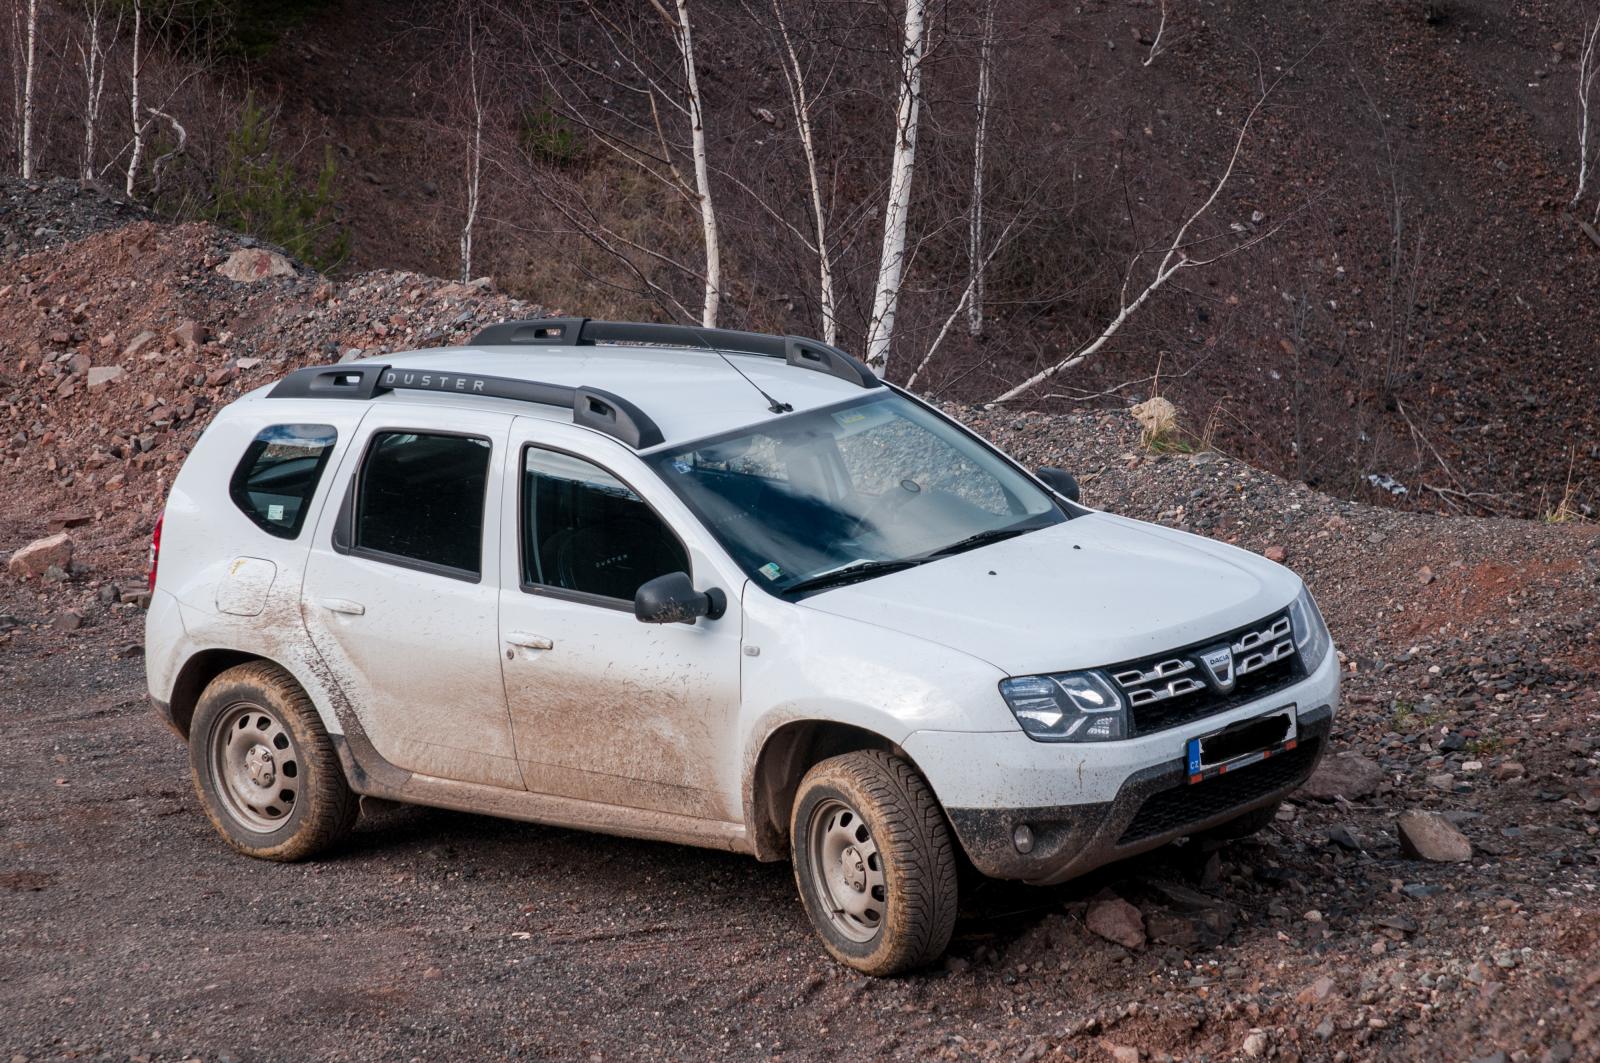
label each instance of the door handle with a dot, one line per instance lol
(343, 605)
(529, 641)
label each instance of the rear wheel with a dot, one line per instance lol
(874, 862)
(264, 767)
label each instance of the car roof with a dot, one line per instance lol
(689, 393)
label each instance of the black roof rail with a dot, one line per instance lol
(591, 407)
(584, 332)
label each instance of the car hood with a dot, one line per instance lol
(1092, 591)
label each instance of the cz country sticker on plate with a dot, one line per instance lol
(1241, 743)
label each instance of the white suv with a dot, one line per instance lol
(716, 588)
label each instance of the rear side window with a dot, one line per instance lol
(279, 473)
(421, 500)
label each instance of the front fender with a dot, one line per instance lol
(805, 667)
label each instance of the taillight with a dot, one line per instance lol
(155, 550)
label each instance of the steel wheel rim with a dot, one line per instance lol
(847, 870)
(255, 767)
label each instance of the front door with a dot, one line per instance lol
(402, 590)
(605, 708)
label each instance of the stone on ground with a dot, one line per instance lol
(36, 558)
(1430, 836)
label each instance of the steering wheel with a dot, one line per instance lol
(888, 506)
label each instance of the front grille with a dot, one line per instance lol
(1174, 688)
(1174, 809)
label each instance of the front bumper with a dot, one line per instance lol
(1091, 805)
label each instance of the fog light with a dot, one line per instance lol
(1022, 838)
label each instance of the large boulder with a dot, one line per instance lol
(1430, 836)
(38, 556)
(255, 263)
(1348, 775)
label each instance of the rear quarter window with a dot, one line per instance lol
(279, 473)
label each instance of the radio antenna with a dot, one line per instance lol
(772, 404)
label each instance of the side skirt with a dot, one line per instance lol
(373, 776)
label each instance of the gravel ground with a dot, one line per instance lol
(132, 932)
(1470, 648)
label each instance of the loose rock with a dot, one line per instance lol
(1429, 836)
(1347, 775)
(38, 556)
(1116, 920)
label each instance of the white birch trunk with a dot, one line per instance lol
(975, 255)
(32, 31)
(474, 157)
(94, 78)
(702, 174)
(133, 103)
(891, 263)
(1175, 260)
(1586, 75)
(794, 78)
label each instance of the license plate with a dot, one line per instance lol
(1241, 743)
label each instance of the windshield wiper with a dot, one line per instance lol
(850, 573)
(972, 542)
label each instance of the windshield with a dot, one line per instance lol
(848, 492)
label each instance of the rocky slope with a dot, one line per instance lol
(1470, 650)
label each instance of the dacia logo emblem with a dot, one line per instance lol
(1219, 668)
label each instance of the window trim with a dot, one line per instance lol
(544, 590)
(344, 525)
(236, 480)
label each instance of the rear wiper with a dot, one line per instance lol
(850, 573)
(972, 542)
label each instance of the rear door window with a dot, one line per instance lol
(279, 473)
(420, 501)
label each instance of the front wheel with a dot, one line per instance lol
(264, 768)
(874, 862)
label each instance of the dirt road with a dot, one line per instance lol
(127, 930)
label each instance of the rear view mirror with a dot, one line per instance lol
(672, 599)
(1060, 481)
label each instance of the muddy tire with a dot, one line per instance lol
(874, 862)
(1243, 827)
(264, 768)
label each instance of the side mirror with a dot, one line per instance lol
(1060, 481)
(672, 599)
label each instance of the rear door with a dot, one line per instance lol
(401, 590)
(605, 708)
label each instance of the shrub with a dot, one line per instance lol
(547, 137)
(260, 192)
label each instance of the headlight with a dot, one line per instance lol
(1310, 633)
(1071, 707)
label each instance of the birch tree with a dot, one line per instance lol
(647, 112)
(975, 255)
(684, 34)
(1175, 258)
(794, 80)
(93, 53)
(30, 49)
(474, 147)
(1588, 66)
(139, 126)
(896, 214)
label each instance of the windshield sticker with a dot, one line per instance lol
(274, 512)
(770, 570)
(680, 465)
(862, 418)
